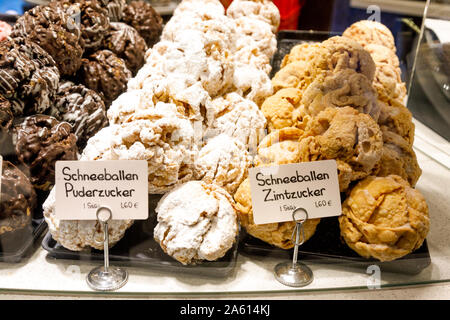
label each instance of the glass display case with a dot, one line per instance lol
(203, 102)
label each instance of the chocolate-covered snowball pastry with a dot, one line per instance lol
(56, 32)
(106, 74)
(28, 76)
(83, 108)
(40, 141)
(115, 9)
(141, 16)
(6, 120)
(93, 19)
(17, 199)
(127, 44)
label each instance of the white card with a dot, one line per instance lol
(278, 190)
(84, 186)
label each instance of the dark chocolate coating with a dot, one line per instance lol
(54, 30)
(114, 8)
(40, 141)
(141, 16)
(106, 74)
(127, 44)
(17, 199)
(6, 121)
(29, 77)
(93, 19)
(83, 108)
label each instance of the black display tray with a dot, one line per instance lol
(326, 246)
(286, 39)
(138, 249)
(17, 246)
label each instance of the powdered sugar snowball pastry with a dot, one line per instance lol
(254, 30)
(196, 221)
(223, 161)
(188, 95)
(196, 56)
(208, 9)
(162, 137)
(220, 28)
(237, 117)
(251, 83)
(76, 235)
(264, 10)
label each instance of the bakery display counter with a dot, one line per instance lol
(252, 273)
(189, 113)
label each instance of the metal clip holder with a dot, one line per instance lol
(295, 274)
(106, 278)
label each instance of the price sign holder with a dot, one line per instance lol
(106, 278)
(295, 274)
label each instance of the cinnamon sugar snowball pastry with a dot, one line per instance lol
(77, 235)
(264, 10)
(340, 53)
(279, 147)
(308, 63)
(395, 117)
(277, 234)
(40, 141)
(300, 52)
(339, 89)
(294, 75)
(283, 109)
(161, 136)
(17, 199)
(368, 32)
(223, 161)
(384, 218)
(353, 139)
(196, 222)
(399, 158)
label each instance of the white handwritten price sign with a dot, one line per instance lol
(84, 186)
(278, 190)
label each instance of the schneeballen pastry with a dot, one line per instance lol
(196, 222)
(384, 218)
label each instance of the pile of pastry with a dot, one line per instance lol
(60, 68)
(343, 99)
(193, 113)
